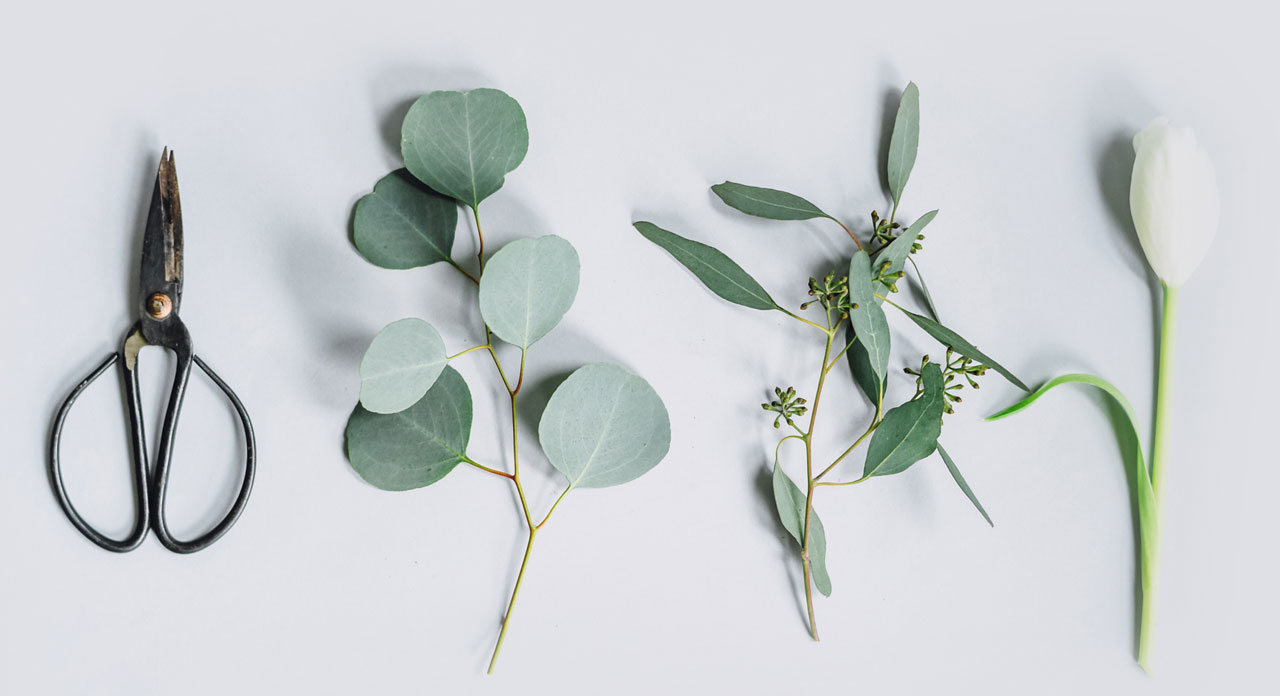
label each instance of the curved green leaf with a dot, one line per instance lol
(717, 271)
(527, 287)
(909, 432)
(767, 203)
(952, 340)
(964, 486)
(790, 501)
(604, 426)
(400, 365)
(404, 224)
(415, 447)
(866, 317)
(463, 144)
(905, 141)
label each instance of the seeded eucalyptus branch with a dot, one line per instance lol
(602, 426)
(849, 316)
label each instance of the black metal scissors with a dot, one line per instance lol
(160, 292)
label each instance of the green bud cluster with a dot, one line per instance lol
(955, 368)
(882, 229)
(788, 406)
(832, 292)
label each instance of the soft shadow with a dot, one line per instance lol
(888, 114)
(788, 555)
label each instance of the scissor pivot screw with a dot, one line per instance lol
(159, 305)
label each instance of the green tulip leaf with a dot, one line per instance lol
(401, 364)
(767, 203)
(904, 141)
(867, 318)
(898, 251)
(952, 340)
(790, 501)
(417, 446)
(463, 144)
(604, 426)
(717, 271)
(527, 287)
(964, 486)
(404, 224)
(909, 432)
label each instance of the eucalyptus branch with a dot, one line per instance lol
(413, 425)
(895, 439)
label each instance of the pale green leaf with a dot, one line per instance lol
(404, 224)
(952, 340)
(717, 271)
(417, 446)
(604, 426)
(767, 203)
(790, 501)
(867, 318)
(463, 144)
(400, 365)
(904, 142)
(527, 287)
(964, 486)
(909, 432)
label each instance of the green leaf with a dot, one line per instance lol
(417, 446)
(863, 374)
(909, 432)
(404, 224)
(866, 317)
(928, 299)
(898, 251)
(604, 426)
(904, 141)
(400, 365)
(952, 340)
(527, 287)
(790, 501)
(955, 474)
(767, 203)
(717, 271)
(463, 144)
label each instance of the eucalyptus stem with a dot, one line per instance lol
(808, 503)
(506, 621)
(1159, 457)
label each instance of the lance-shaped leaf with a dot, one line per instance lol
(404, 224)
(866, 317)
(767, 203)
(790, 501)
(909, 432)
(604, 426)
(964, 486)
(896, 253)
(717, 271)
(952, 340)
(400, 365)
(904, 141)
(463, 144)
(527, 287)
(417, 446)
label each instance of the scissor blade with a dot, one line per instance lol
(162, 240)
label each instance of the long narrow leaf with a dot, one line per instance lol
(964, 486)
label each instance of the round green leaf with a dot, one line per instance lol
(417, 446)
(604, 426)
(462, 144)
(527, 287)
(401, 364)
(404, 224)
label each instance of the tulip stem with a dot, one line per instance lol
(1159, 457)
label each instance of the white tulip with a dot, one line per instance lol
(1174, 199)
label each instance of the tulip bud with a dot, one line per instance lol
(1173, 198)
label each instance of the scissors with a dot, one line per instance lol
(160, 293)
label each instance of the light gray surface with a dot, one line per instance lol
(682, 581)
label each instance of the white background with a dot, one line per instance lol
(683, 581)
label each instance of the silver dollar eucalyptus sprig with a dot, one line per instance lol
(851, 321)
(602, 426)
